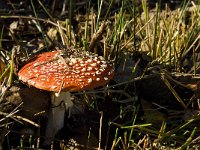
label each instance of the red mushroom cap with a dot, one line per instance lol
(80, 71)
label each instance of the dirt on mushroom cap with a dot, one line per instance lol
(77, 71)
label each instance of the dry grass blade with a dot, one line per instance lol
(17, 117)
(96, 36)
(167, 83)
(100, 130)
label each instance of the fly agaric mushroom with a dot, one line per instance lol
(63, 73)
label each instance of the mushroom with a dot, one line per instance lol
(62, 73)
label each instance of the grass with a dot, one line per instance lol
(168, 37)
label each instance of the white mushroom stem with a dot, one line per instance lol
(60, 103)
